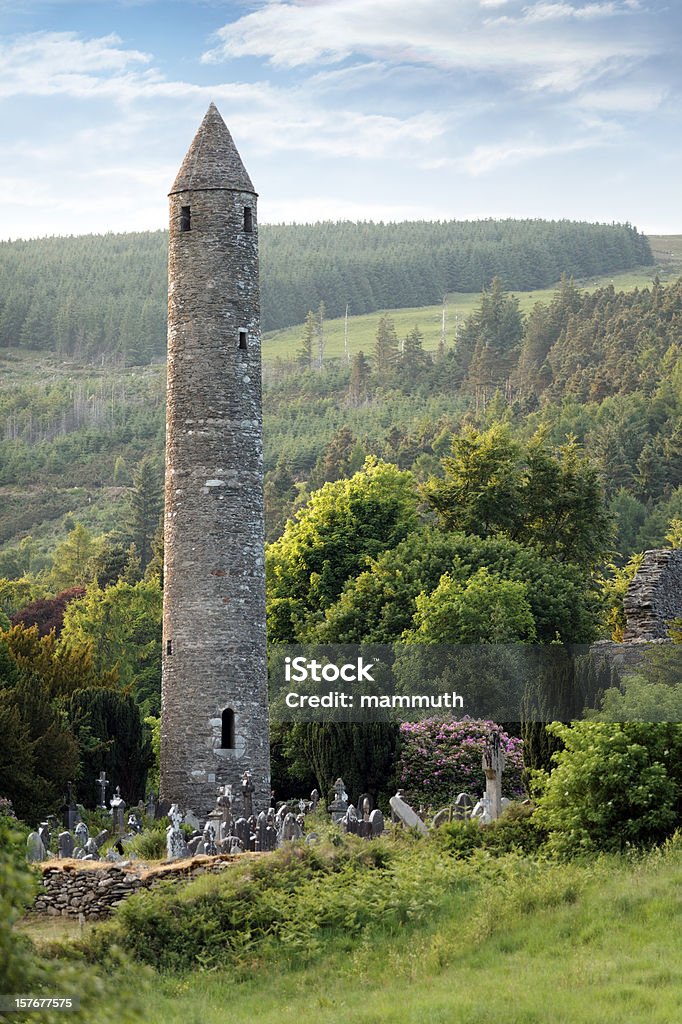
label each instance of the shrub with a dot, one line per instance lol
(460, 838)
(24, 970)
(442, 757)
(17, 887)
(515, 831)
(149, 844)
(614, 785)
(289, 901)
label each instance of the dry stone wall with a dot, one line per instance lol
(70, 890)
(654, 597)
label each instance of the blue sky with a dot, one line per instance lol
(361, 109)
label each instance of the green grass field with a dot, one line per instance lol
(563, 945)
(285, 344)
(512, 939)
(667, 250)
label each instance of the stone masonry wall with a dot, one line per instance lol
(654, 596)
(69, 890)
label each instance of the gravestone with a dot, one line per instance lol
(314, 799)
(44, 833)
(242, 831)
(103, 782)
(194, 845)
(493, 763)
(365, 806)
(208, 842)
(403, 812)
(65, 845)
(82, 833)
(376, 820)
(481, 811)
(101, 837)
(118, 806)
(290, 829)
(339, 804)
(192, 819)
(349, 822)
(134, 824)
(176, 847)
(463, 806)
(91, 850)
(281, 814)
(442, 817)
(247, 794)
(35, 848)
(261, 826)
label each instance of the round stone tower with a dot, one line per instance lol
(214, 718)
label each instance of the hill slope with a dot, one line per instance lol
(105, 296)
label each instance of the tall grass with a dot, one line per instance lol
(411, 935)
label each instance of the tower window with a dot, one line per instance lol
(242, 340)
(169, 646)
(248, 220)
(227, 735)
(185, 218)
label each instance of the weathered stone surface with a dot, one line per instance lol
(212, 161)
(95, 892)
(654, 596)
(404, 813)
(214, 652)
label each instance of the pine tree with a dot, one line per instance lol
(386, 347)
(320, 334)
(359, 379)
(305, 353)
(145, 508)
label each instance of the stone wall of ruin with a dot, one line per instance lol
(654, 597)
(69, 889)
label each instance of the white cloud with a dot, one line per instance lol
(45, 63)
(287, 118)
(550, 10)
(440, 33)
(553, 11)
(631, 99)
(487, 158)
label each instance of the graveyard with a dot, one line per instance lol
(451, 920)
(373, 715)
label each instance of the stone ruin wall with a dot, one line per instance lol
(654, 597)
(69, 890)
(653, 600)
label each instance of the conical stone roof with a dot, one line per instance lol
(212, 160)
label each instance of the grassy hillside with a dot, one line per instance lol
(414, 936)
(559, 946)
(95, 296)
(285, 344)
(73, 430)
(667, 252)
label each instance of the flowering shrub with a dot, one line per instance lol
(440, 758)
